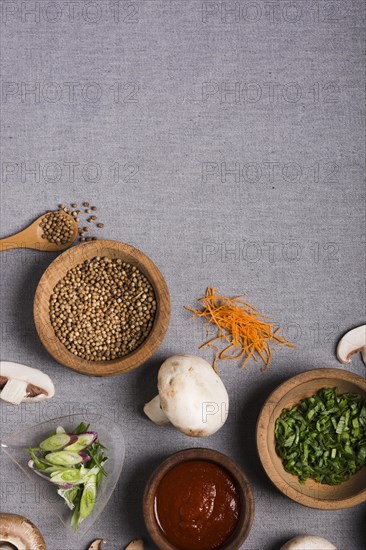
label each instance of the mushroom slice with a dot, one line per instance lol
(191, 396)
(97, 544)
(308, 542)
(352, 342)
(20, 383)
(136, 544)
(20, 533)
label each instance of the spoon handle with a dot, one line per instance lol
(18, 240)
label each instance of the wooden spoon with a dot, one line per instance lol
(31, 237)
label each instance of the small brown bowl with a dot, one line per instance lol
(58, 269)
(290, 393)
(245, 490)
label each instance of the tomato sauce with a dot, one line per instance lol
(197, 505)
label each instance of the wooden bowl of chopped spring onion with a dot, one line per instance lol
(102, 308)
(311, 438)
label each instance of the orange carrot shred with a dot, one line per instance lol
(241, 326)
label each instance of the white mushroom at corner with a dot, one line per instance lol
(308, 542)
(97, 544)
(21, 383)
(20, 533)
(136, 544)
(354, 341)
(192, 397)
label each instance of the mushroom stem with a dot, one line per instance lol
(154, 411)
(14, 391)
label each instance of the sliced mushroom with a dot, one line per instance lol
(20, 533)
(354, 341)
(97, 544)
(191, 396)
(137, 544)
(20, 383)
(308, 542)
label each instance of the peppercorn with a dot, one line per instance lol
(100, 225)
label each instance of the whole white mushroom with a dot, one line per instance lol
(308, 542)
(192, 397)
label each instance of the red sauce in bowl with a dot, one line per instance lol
(197, 505)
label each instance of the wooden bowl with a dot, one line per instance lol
(246, 496)
(290, 393)
(58, 269)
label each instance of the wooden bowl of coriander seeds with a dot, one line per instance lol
(102, 308)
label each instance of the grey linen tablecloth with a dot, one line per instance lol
(225, 140)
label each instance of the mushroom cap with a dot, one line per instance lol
(20, 532)
(35, 377)
(308, 542)
(352, 342)
(192, 395)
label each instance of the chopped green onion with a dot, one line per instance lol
(323, 437)
(57, 442)
(66, 458)
(88, 497)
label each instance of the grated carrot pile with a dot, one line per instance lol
(241, 326)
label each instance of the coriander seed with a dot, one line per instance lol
(57, 227)
(103, 309)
